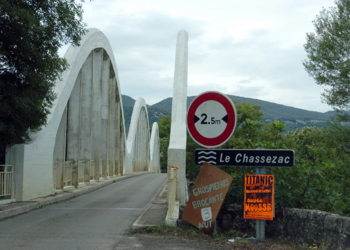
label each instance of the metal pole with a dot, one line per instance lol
(260, 224)
(215, 229)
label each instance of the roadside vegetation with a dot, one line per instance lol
(320, 178)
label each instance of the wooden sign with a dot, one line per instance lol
(206, 198)
(259, 197)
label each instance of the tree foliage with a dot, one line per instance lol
(164, 125)
(328, 53)
(320, 178)
(31, 32)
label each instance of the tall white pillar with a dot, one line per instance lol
(178, 136)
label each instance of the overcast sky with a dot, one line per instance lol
(251, 48)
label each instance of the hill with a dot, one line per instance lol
(294, 117)
(271, 110)
(128, 101)
(154, 114)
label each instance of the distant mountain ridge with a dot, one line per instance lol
(271, 110)
(294, 117)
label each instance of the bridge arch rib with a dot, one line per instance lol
(84, 139)
(137, 144)
(154, 165)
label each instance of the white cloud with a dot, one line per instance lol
(248, 48)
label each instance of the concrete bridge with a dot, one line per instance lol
(84, 141)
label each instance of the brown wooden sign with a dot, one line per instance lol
(259, 197)
(206, 198)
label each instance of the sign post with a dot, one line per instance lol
(211, 121)
(260, 224)
(259, 199)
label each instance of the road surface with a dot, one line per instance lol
(97, 220)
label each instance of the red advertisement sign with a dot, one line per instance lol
(259, 197)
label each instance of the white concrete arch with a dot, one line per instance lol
(33, 161)
(154, 165)
(137, 143)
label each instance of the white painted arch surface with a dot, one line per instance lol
(135, 152)
(33, 161)
(154, 165)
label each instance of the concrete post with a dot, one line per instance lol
(178, 133)
(59, 155)
(105, 116)
(260, 224)
(122, 146)
(73, 130)
(115, 140)
(96, 110)
(85, 115)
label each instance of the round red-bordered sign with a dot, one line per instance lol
(211, 119)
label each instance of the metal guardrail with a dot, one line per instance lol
(6, 182)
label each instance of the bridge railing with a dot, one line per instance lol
(68, 168)
(6, 184)
(81, 172)
(92, 170)
(54, 173)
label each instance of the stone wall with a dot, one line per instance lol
(303, 226)
(299, 225)
(311, 227)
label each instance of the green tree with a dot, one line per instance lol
(246, 136)
(328, 54)
(164, 125)
(31, 32)
(248, 127)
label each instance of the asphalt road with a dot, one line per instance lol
(97, 220)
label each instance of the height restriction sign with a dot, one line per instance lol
(211, 119)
